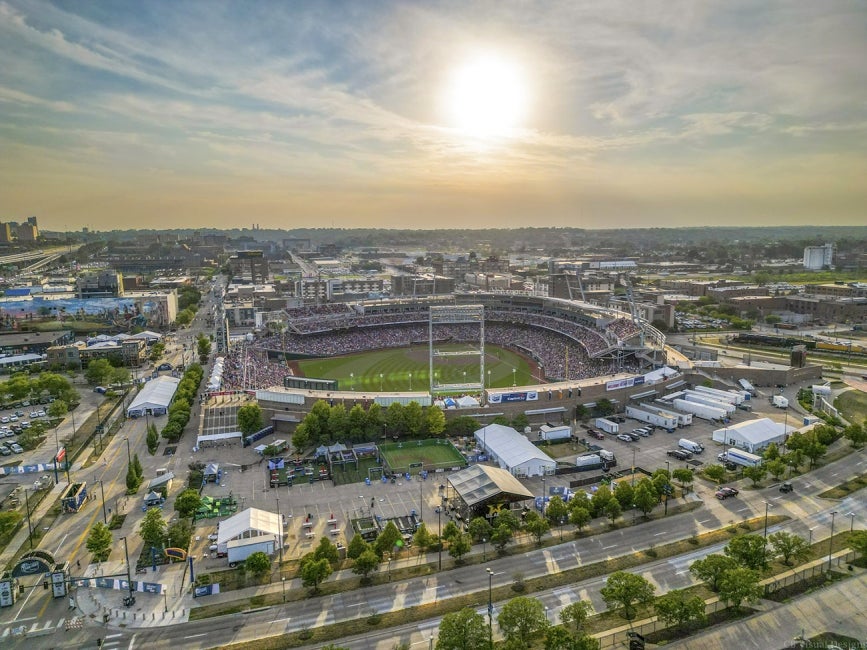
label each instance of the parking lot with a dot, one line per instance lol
(18, 417)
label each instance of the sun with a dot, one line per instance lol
(486, 97)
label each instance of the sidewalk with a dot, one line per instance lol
(18, 544)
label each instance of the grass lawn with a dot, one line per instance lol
(77, 326)
(404, 369)
(852, 405)
(437, 453)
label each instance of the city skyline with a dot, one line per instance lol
(417, 115)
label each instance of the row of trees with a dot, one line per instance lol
(21, 386)
(104, 372)
(185, 396)
(325, 424)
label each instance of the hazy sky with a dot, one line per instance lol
(292, 114)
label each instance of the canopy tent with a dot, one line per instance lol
(155, 397)
(217, 438)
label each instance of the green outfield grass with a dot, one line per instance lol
(390, 370)
(433, 453)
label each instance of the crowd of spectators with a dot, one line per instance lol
(248, 368)
(622, 329)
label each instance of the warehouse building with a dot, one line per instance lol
(513, 452)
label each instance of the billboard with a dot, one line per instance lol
(522, 396)
(627, 382)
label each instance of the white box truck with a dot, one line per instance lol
(548, 432)
(598, 460)
(700, 410)
(691, 446)
(741, 457)
(652, 416)
(707, 400)
(607, 425)
(780, 402)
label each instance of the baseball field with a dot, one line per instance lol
(406, 369)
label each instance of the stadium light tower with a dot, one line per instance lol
(380, 382)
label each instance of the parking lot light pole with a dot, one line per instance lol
(490, 608)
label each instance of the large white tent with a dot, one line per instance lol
(154, 398)
(753, 435)
(513, 452)
(251, 529)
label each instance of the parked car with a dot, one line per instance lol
(5, 451)
(596, 434)
(40, 413)
(787, 487)
(4, 419)
(624, 437)
(16, 448)
(680, 454)
(100, 389)
(733, 492)
(635, 437)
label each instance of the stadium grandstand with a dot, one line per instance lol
(571, 340)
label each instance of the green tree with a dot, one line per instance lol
(463, 630)
(599, 500)
(8, 521)
(772, 452)
(613, 509)
(646, 498)
(152, 529)
(625, 494)
(776, 468)
(98, 372)
(579, 517)
(521, 619)
(856, 434)
(460, 545)
(258, 564)
(119, 376)
(711, 569)
(314, 572)
(508, 518)
(394, 419)
(99, 542)
(386, 539)
(755, 474)
(604, 407)
(434, 421)
(678, 608)
(58, 409)
(479, 529)
(250, 419)
(794, 459)
(451, 531)
(365, 563)
(575, 614)
(357, 546)
(179, 534)
(326, 551)
(501, 536)
(740, 585)
(301, 438)
(132, 480)
(748, 550)
(413, 418)
(187, 502)
(626, 590)
(684, 476)
(715, 473)
(137, 467)
(203, 346)
(536, 526)
(557, 512)
(152, 439)
(789, 546)
(422, 539)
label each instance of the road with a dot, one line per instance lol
(806, 509)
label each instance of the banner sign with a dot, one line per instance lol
(628, 382)
(524, 396)
(206, 590)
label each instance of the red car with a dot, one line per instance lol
(726, 492)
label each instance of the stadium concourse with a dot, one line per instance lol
(334, 330)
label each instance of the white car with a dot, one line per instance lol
(40, 413)
(5, 419)
(13, 418)
(624, 437)
(34, 415)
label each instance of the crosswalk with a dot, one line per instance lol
(64, 624)
(39, 627)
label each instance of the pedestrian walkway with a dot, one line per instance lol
(18, 544)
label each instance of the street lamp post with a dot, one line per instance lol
(484, 549)
(439, 512)
(128, 452)
(29, 527)
(128, 570)
(283, 582)
(410, 382)
(765, 548)
(166, 601)
(513, 377)
(380, 382)
(490, 608)
(831, 539)
(810, 543)
(102, 493)
(352, 380)
(851, 516)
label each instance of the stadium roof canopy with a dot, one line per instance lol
(478, 484)
(156, 395)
